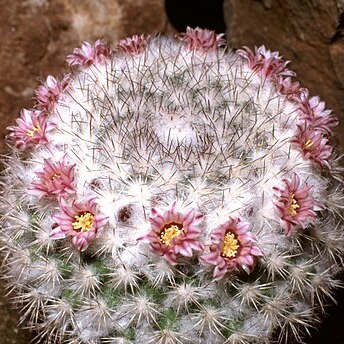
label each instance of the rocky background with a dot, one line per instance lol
(38, 34)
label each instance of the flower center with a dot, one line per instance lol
(31, 132)
(83, 222)
(309, 144)
(54, 176)
(292, 210)
(230, 245)
(169, 232)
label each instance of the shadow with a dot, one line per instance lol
(203, 13)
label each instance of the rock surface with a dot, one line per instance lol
(9, 331)
(309, 33)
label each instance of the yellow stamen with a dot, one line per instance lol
(230, 245)
(309, 144)
(293, 205)
(54, 176)
(31, 132)
(169, 233)
(83, 222)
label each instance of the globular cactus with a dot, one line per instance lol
(173, 191)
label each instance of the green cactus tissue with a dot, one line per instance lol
(172, 190)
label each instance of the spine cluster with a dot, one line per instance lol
(172, 191)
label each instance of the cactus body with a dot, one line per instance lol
(173, 191)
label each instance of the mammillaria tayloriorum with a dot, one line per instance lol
(173, 191)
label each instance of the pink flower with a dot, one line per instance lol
(202, 39)
(90, 54)
(47, 95)
(133, 45)
(292, 90)
(56, 180)
(267, 62)
(32, 129)
(232, 246)
(295, 205)
(81, 220)
(315, 114)
(174, 233)
(313, 145)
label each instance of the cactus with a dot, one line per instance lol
(172, 191)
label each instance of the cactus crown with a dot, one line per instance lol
(172, 191)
